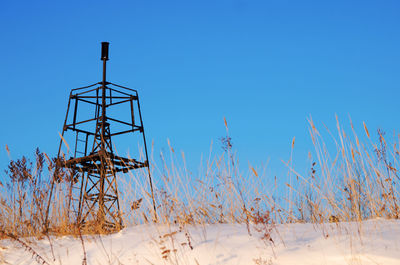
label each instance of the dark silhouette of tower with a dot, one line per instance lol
(101, 113)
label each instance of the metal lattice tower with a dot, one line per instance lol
(94, 163)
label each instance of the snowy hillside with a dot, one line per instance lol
(369, 242)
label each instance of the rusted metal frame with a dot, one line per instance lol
(119, 121)
(111, 215)
(108, 137)
(80, 122)
(110, 186)
(106, 97)
(75, 110)
(79, 94)
(87, 169)
(80, 198)
(115, 189)
(112, 199)
(97, 147)
(65, 122)
(79, 88)
(71, 199)
(109, 198)
(110, 183)
(78, 130)
(120, 157)
(76, 167)
(91, 163)
(83, 92)
(97, 110)
(124, 158)
(92, 196)
(93, 180)
(97, 136)
(101, 82)
(124, 164)
(95, 165)
(109, 165)
(86, 142)
(109, 173)
(110, 207)
(89, 211)
(134, 90)
(132, 112)
(84, 198)
(93, 171)
(122, 132)
(118, 207)
(92, 186)
(127, 168)
(97, 115)
(116, 103)
(127, 131)
(119, 91)
(87, 101)
(135, 166)
(108, 144)
(76, 144)
(147, 161)
(110, 96)
(117, 165)
(82, 159)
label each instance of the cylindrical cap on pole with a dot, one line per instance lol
(104, 50)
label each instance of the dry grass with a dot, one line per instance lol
(350, 179)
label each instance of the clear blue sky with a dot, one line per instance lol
(264, 65)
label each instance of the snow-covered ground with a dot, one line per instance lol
(369, 242)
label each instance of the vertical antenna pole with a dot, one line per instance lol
(104, 58)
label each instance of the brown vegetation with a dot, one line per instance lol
(355, 181)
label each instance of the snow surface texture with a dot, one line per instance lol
(368, 242)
